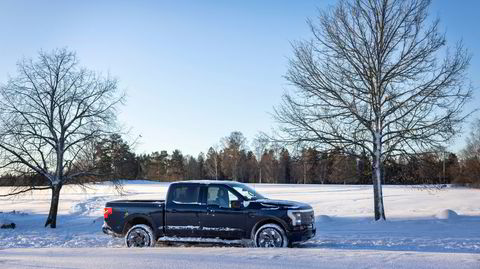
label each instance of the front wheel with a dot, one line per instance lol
(271, 236)
(140, 236)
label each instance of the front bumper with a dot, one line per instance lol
(302, 235)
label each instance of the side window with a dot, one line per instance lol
(221, 196)
(186, 194)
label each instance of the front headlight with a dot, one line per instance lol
(295, 216)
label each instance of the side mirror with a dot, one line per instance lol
(236, 204)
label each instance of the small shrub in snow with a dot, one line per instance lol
(8, 226)
(13, 212)
(6, 223)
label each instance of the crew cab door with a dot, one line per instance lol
(183, 209)
(224, 217)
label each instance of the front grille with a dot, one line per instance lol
(308, 217)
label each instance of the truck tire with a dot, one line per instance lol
(140, 236)
(270, 236)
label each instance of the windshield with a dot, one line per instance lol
(247, 192)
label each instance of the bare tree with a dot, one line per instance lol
(212, 162)
(470, 172)
(472, 147)
(49, 114)
(376, 77)
(260, 144)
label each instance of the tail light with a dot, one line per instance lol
(107, 212)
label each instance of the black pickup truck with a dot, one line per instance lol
(210, 211)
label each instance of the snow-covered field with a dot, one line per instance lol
(420, 231)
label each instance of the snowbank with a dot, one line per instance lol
(323, 218)
(447, 214)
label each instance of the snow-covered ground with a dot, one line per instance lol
(231, 258)
(428, 228)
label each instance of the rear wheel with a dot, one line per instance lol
(140, 236)
(271, 236)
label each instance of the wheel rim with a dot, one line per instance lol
(138, 238)
(270, 238)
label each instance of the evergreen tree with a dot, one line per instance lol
(176, 167)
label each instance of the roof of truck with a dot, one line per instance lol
(208, 181)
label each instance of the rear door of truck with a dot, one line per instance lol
(183, 209)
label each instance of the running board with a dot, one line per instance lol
(204, 240)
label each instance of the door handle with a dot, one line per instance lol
(173, 211)
(210, 212)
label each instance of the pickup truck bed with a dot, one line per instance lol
(134, 202)
(126, 211)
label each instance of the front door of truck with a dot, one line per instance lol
(224, 217)
(182, 213)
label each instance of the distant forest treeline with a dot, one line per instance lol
(232, 160)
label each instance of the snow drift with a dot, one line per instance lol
(447, 214)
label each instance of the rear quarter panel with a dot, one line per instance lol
(125, 212)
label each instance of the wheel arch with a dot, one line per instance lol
(268, 220)
(135, 219)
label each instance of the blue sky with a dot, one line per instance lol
(193, 70)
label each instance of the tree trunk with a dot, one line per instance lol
(52, 215)
(377, 179)
(260, 177)
(304, 172)
(216, 169)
